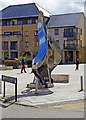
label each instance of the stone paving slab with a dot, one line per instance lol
(61, 92)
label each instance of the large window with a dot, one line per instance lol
(7, 33)
(14, 54)
(29, 21)
(20, 22)
(69, 32)
(5, 45)
(9, 23)
(13, 45)
(16, 33)
(56, 31)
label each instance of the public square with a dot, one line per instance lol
(59, 94)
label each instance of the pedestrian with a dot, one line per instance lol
(77, 63)
(66, 59)
(23, 66)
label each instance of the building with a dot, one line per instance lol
(18, 29)
(69, 30)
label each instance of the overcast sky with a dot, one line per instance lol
(53, 6)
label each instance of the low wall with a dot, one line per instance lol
(60, 78)
(6, 67)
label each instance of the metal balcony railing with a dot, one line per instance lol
(72, 35)
(71, 46)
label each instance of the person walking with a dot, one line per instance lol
(23, 66)
(77, 63)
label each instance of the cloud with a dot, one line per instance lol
(53, 6)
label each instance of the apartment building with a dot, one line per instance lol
(69, 30)
(18, 29)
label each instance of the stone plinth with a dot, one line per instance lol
(60, 78)
(33, 85)
(6, 67)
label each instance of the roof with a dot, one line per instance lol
(64, 20)
(20, 11)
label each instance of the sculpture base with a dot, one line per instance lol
(40, 86)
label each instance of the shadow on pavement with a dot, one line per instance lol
(5, 106)
(29, 93)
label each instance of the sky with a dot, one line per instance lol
(53, 6)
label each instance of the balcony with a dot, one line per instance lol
(71, 35)
(11, 37)
(71, 46)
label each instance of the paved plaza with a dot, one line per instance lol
(61, 92)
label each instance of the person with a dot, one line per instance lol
(23, 66)
(77, 63)
(66, 59)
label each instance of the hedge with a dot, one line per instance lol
(14, 63)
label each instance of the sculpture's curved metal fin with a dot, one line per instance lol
(43, 41)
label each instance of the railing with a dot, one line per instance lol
(71, 46)
(72, 35)
(11, 37)
(13, 48)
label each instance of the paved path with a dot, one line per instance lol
(67, 110)
(61, 92)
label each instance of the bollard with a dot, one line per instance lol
(81, 83)
(0, 86)
(81, 79)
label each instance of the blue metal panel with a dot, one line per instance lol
(43, 43)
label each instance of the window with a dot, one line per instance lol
(80, 31)
(36, 32)
(29, 21)
(7, 33)
(9, 23)
(5, 45)
(26, 44)
(68, 32)
(56, 31)
(36, 21)
(17, 33)
(0, 23)
(76, 30)
(13, 45)
(20, 22)
(26, 33)
(14, 54)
